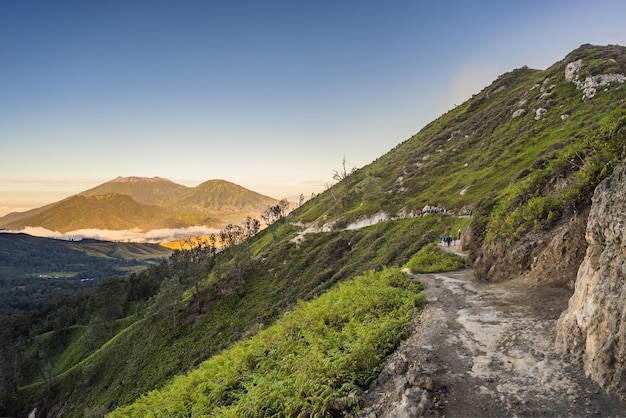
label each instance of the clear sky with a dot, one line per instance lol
(267, 94)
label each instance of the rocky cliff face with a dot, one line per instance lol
(593, 328)
(546, 257)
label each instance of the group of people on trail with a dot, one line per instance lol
(450, 240)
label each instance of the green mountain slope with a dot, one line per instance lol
(520, 122)
(240, 296)
(522, 157)
(221, 198)
(281, 374)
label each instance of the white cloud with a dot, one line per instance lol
(166, 235)
(128, 235)
(40, 232)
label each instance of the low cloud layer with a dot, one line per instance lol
(128, 235)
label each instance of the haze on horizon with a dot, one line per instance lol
(268, 95)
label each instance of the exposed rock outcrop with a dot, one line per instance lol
(591, 83)
(593, 328)
(547, 257)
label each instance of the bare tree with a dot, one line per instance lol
(343, 175)
(268, 216)
(233, 234)
(283, 207)
(251, 227)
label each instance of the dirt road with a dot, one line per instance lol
(483, 350)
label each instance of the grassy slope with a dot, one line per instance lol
(322, 351)
(432, 259)
(126, 367)
(478, 147)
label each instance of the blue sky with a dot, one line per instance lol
(267, 94)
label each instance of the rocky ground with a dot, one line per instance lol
(484, 350)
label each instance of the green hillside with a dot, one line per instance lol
(222, 199)
(492, 141)
(293, 367)
(240, 296)
(203, 335)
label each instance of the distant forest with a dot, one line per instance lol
(37, 271)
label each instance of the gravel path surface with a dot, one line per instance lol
(483, 350)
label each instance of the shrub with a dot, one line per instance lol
(431, 259)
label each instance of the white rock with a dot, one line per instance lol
(591, 83)
(571, 70)
(518, 112)
(540, 112)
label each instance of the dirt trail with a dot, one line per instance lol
(481, 350)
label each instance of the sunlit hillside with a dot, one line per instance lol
(143, 204)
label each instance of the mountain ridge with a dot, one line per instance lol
(145, 203)
(147, 190)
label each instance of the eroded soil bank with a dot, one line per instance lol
(482, 350)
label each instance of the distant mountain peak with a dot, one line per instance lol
(136, 179)
(146, 203)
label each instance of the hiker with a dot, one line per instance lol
(459, 234)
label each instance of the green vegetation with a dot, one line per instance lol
(573, 173)
(312, 362)
(479, 154)
(248, 287)
(431, 259)
(277, 323)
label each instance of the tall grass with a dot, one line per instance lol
(431, 259)
(312, 362)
